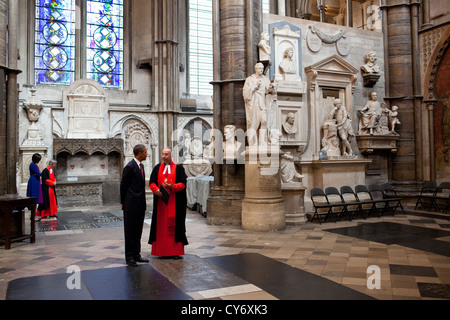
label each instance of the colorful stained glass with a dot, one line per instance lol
(55, 42)
(105, 42)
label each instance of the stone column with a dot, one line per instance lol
(403, 87)
(12, 152)
(165, 67)
(3, 62)
(236, 24)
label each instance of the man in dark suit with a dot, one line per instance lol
(132, 199)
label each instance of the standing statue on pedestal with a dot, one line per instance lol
(344, 126)
(258, 94)
(369, 116)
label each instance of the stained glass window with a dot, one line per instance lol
(105, 42)
(55, 42)
(200, 47)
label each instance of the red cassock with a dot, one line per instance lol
(50, 206)
(165, 244)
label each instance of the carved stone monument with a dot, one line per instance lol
(377, 126)
(293, 190)
(33, 143)
(86, 103)
(263, 204)
(370, 70)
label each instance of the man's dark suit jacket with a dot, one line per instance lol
(132, 188)
(132, 198)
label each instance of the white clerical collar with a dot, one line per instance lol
(167, 169)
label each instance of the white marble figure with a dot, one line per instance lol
(288, 171)
(231, 145)
(393, 120)
(370, 116)
(370, 67)
(258, 94)
(344, 126)
(289, 125)
(187, 146)
(287, 65)
(265, 51)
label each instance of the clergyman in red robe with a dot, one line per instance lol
(168, 228)
(49, 207)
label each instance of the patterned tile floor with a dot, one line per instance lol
(411, 251)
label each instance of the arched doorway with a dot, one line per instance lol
(441, 116)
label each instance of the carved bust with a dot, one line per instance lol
(287, 65)
(289, 125)
(370, 67)
(264, 47)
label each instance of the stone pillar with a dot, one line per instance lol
(12, 115)
(403, 87)
(349, 13)
(263, 208)
(3, 62)
(236, 24)
(165, 67)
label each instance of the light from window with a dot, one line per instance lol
(266, 6)
(54, 42)
(105, 42)
(200, 47)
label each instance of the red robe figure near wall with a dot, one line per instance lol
(49, 206)
(167, 234)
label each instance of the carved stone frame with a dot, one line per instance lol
(332, 72)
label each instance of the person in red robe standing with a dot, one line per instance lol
(49, 207)
(168, 228)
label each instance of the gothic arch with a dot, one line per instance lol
(436, 104)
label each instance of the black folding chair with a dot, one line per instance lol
(442, 197)
(425, 198)
(321, 205)
(354, 207)
(377, 195)
(390, 194)
(339, 207)
(364, 196)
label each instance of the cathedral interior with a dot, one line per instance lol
(84, 81)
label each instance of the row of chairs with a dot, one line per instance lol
(434, 197)
(364, 201)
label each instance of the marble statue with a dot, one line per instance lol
(288, 171)
(370, 116)
(370, 67)
(187, 146)
(289, 125)
(331, 146)
(287, 65)
(265, 51)
(258, 94)
(393, 120)
(344, 125)
(231, 145)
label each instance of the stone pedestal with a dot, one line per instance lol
(293, 195)
(371, 143)
(263, 205)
